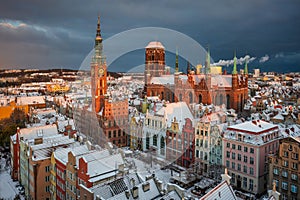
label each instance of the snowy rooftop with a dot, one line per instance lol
(38, 131)
(255, 126)
(221, 191)
(178, 110)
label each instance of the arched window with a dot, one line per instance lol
(227, 101)
(221, 99)
(147, 141)
(155, 140)
(241, 102)
(200, 98)
(162, 145)
(191, 97)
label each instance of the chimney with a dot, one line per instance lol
(127, 193)
(135, 192)
(146, 186)
(226, 177)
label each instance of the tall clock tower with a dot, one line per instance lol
(98, 73)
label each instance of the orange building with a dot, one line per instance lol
(194, 87)
(7, 110)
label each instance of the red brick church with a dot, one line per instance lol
(195, 86)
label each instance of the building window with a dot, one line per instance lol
(284, 173)
(233, 155)
(284, 186)
(197, 142)
(239, 157)
(197, 153)
(227, 163)
(162, 145)
(47, 188)
(250, 184)
(233, 165)
(295, 165)
(47, 178)
(245, 169)
(275, 171)
(228, 145)
(285, 163)
(286, 154)
(233, 178)
(155, 140)
(251, 160)
(47, 168)
(147, 141)
(233, 146)
(251, 171)
(245, 159)
(239, 147)
(294, 189)
(239, 166)
(245, 149)
(295, 156)
(244, 182)
(251, 150)
(227, 154)
(294, 177)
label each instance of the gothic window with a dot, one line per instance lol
(221, 99)
(200, 98)
(227, 101)
(147, 141)
(155, 140)
(180, 97)
(162, 145)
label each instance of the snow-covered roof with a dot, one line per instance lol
(155, 45)
(221, 191)
(37, 131)
(255, 126)
(178, 110)
(163, 80)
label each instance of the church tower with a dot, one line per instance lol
(154, 61)
(98, 73)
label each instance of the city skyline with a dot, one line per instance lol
(57, 35)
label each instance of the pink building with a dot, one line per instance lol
(245, 153)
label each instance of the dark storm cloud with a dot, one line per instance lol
(60, 33)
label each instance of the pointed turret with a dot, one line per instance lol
(207, 62)
(98, 38)
(176, 63)
(234, 71)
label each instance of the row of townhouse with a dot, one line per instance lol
(171, 132)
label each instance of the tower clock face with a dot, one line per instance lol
(101, 72)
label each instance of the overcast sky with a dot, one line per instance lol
(55, 34)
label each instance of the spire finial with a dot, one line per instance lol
(176, 63)
(98, 38)
(234, 71)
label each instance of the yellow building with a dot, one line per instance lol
(53, 88)
(7, 110)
